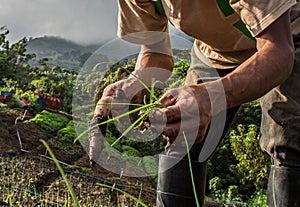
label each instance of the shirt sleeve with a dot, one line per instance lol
(139, 22)
(259, 14)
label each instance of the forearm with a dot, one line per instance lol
(268, 67)
(251, 80)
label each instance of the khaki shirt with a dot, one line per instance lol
(216, 39)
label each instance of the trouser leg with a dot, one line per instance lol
(283, 187)
(281, 139)
(174, 186)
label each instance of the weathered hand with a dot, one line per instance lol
(187, 109)
(124, 92)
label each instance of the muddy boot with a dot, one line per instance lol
(283, 187)
(174, 186)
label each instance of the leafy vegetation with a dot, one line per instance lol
(51, 122)
(18, 77)
(252, 164)
(239, 169)
(68, 134)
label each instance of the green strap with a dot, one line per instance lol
(159, 7)
(227, 11)
(225, 8)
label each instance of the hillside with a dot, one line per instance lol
(59, 51)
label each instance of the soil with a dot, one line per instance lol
(30, 178)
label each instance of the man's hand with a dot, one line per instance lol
(122, 92)
(187, 109)
(117, 97)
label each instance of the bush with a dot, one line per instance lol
(249, 113)
(130, 151)
(110, 139)
(253, 164)
(150, 164)
(68, 133)
(50, 122)
(259, 199)
(248, 173)
(215, 186)
(239, 160)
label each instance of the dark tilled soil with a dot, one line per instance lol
(29, 178)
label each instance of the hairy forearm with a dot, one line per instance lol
(269, 67)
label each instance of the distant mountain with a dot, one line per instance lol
(61, 52)
(71, 55)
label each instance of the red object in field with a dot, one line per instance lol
(24, 101)
(51, 102)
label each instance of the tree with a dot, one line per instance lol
(13, 58)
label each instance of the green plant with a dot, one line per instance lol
(125, 193)
(223, 166)
(191, 170)
(70, 188)
(76, 203)
(215, 186)
(253, 164)
(249, 113)
(150, 165)
(259, 198)
(68, 134)
(130, 151)
(50, 122)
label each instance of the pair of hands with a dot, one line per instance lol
(186, 109)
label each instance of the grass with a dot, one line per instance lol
(191, 170)
(69, 186)
(22, 184)
(137, 200)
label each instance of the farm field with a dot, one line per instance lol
(31, 179)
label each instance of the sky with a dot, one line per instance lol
(82, 21)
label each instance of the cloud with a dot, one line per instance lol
(87, 21)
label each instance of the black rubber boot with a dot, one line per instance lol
(174, 186)
(284, 187)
